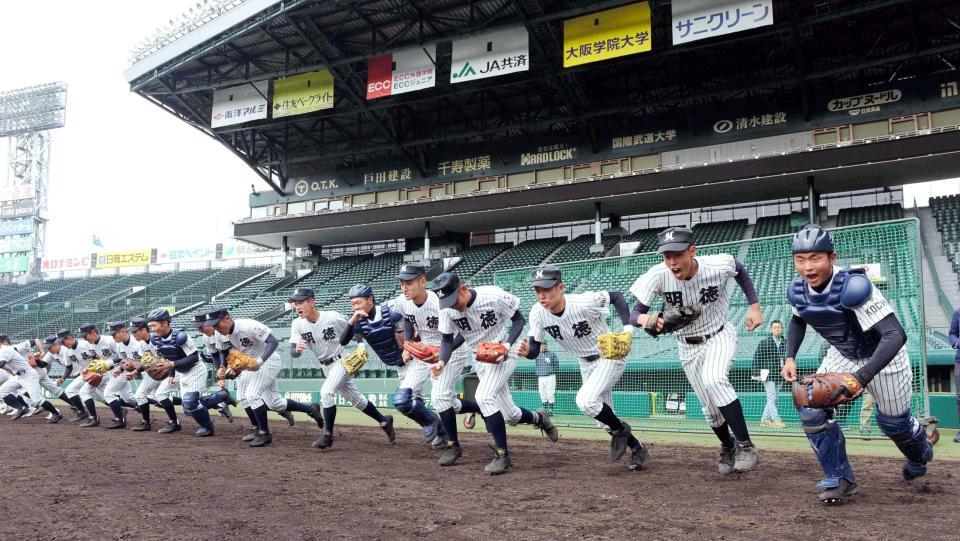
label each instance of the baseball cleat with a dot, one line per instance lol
(249, 437)
(430, 432)
(726, 462)
(387, 426)
(54, 418)
(746, 457)
(225, 412)
(638, 459)
(834, 494)
(80, 416)
(450, 455)
(116, 424)
(34, 411)
(204, 432)
(316, 413)
(229, 400)
(618, 445)
(170, 427)
(4, 408)
(546, 426)
(324, 441)
(470, 421)
(90, 423)
(500, 464)
(144, 426)
(12, 412)
(19, 413)
(261, 439)
(288, 416)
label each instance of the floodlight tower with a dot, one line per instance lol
(27, 116)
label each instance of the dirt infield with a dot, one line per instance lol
(63, 482)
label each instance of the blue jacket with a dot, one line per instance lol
(955, 333)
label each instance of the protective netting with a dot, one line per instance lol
(654, 393)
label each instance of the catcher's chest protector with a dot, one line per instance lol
(826, 313)
(381, 337)
(169, 347)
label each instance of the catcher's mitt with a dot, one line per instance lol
(92, 378)
(239, 361)
(128, 365)
(355, 361)
(99, 366)
(424, 352)
(615, 345)
(155, 366)
(491, 352)
(673, 318)
(826, 390)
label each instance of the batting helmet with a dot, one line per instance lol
(360, 290)
(812, 239)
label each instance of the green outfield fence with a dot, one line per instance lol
(653, 392)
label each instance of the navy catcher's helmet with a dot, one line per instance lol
(812, 239)
(360, 290)
(158, 314)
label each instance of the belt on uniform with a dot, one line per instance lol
(331, 360)
(694, 340)
(591, 358)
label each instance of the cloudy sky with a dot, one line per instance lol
(122, 168)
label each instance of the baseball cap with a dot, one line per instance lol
(546, 276)
(411, 271)
(214, 316)
(63, 333)
(137, 323)
(301, 294)
(199, 320)
(88, 327)
(674, 239)
(50, 340)
(115, 327)
(446, 286)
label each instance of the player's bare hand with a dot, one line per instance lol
(436, 369)
(754, 317)
(405, 355)
(789, 370)
(130, 375)
(357, 316)
(523, 348)
(59, 382)
(222, 384)
(170, 381)
(116, 373)
(222, 373)
(301, 345)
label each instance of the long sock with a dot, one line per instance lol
(251, 416)
(261, 414)
(46, 405)
(20, 402)
(609, 418)
(469, 406)
(497, 428)
(293, 405)
(76, 403)
(176, 400)
(733, 413)
(527, 417)
(144, 410)
(116, 409)
(132, 404)
(449, 419)
(91, 407)
(723, 434)
(167, 406)
(330, 417)
(371, 411)
(11, 401)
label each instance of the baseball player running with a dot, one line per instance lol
(259, 389)
(72, 362)
(320, 333)
(52, 345)
(146, 393)
(117, 391)
(178, 348)
(577, 322)
(35, 360)
(481, 314)
(867, 349)
(212, 344)
(25, 377)
(95, 347)
(420, 308)
(377, 325)
(707, 341)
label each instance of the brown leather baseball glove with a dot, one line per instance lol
(424, 352)
(827, 389)
(492, 352)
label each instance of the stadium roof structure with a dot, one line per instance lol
(811, 46)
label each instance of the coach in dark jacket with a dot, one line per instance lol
(770, 355)
(955, 344)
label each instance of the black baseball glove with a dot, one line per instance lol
(673, 319)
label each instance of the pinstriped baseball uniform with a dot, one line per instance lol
(259, 386)
(147, 388)
(72, 358)
(119, 387)
(425, 319)
(105, 349)
(193, 380)
(46, 382)
(892, 387)
(707, 364)
(323, 339)
(486, 320)
(584, 318)
(24, 377)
